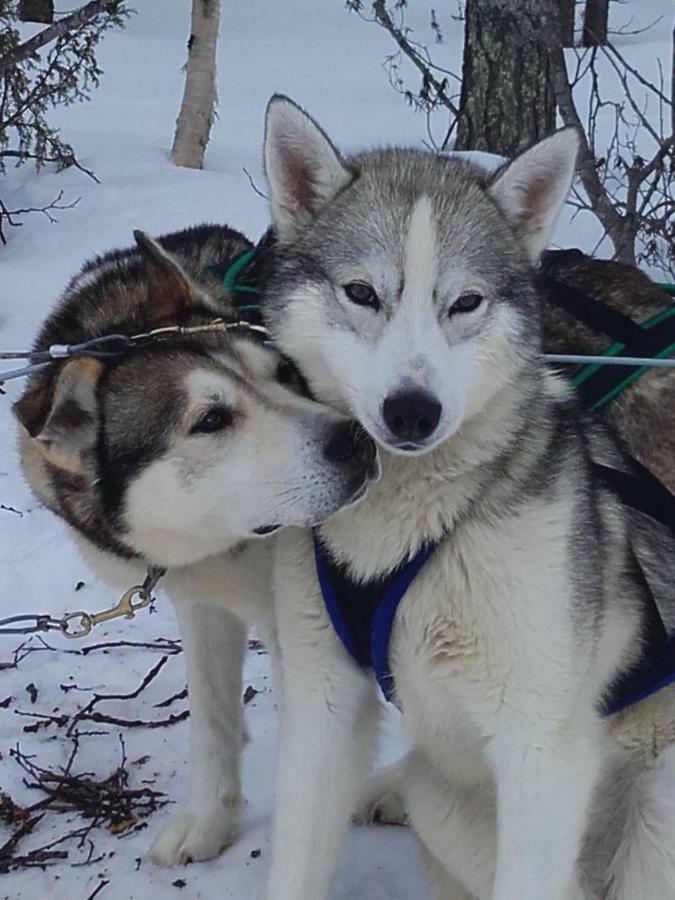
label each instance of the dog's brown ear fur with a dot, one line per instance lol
(32, 409)
(170, 290)
(63, 419)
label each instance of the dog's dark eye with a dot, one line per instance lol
(362, 294)
(214, 419)
(466, 303)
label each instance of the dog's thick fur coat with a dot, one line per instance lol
(507, 641)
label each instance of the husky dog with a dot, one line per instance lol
(403, 287)
(181, 454)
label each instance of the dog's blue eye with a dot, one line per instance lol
(214, 419)
(362, 294)
(466, 303)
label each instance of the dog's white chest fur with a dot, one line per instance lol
(486, 623)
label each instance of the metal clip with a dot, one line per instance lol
(125, 608)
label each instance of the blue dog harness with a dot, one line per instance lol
(363, 613)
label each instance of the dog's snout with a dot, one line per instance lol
(348, 442)
(411, 415)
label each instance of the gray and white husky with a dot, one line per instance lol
(181, 454)
(403, 288)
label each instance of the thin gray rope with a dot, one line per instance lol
(566, 359)
(110, 346)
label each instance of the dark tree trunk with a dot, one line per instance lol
(37, 11)
(507, 100)
(567, 16)
(596, 16)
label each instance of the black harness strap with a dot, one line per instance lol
(655, 668)
(641, 490)
(594, 313)
(598, 384)
(607, 381)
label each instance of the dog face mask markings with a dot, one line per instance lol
(424, 233)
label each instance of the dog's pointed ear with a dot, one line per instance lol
(63, 419)
(32, 409)
(169, 288)
(532, 189)
(303, 168)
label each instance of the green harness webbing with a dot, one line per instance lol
(230, 281)
(229, 273)
(616, 349)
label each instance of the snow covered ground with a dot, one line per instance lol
(329, 61)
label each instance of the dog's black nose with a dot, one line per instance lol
(348, 442)
(411, 415)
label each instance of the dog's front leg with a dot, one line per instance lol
(544, 786)
(214, 643)
(329, 718)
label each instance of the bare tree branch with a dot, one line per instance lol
(62, 160)
(10, 215)
(58, 29)
(586, 164)
(384, 19)
(610, 50)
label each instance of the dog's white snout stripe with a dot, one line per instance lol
(420, 265)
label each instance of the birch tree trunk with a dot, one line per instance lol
(199, 98)
(507, 100)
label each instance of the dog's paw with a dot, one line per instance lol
(382, 803)
(194, 837)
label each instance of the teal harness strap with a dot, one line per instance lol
(615, 349)
(231, 273)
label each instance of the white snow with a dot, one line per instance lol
(330, 61)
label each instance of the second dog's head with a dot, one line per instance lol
(178, 450)
(402, 286)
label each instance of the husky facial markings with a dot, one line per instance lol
(442, 290)
(279, 445)
(512, 633)
(410, 412)
(184, 454)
